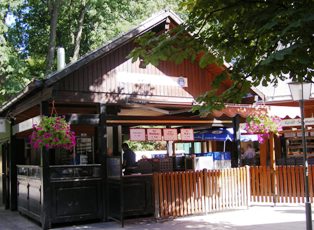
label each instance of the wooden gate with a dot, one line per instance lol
(187, 193)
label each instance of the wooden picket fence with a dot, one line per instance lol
(284, 184)
(188, 193)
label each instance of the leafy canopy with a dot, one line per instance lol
(85, 24)
(262, 41)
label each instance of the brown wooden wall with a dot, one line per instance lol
(100, 76)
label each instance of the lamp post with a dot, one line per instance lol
(301, 92)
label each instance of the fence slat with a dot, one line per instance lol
(161, 198)
(184, 194)
(311, 182)
(302, 183)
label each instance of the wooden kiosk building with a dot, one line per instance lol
(101, 95)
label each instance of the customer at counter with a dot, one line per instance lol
(129, 162)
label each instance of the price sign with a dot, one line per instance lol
(187, 134)
(170, 134)
(137, 134)
(154, 134)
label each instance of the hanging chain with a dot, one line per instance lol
(53, 109)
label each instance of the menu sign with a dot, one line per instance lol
(154, 134)
(170, 134)
(137, 134)
(187, 134)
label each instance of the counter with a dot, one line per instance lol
(74, 193)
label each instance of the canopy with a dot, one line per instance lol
(217, 134)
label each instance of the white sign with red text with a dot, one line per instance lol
(187, 134)
(170, 134)
(154, 134)
(137, 135)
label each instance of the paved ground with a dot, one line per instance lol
(255, 218)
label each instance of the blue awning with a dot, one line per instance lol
(218, 134)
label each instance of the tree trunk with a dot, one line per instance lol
(78, 35)
(53, 7)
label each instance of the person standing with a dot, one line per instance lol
(129, 161)
(249, 155)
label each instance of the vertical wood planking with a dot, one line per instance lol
(187, 179)
(156, 195)
(180, 192)
(166, 205)
(161, 201)
(173, 200)
(202, 192)
(302, 184)
(191, 192)
(184, 193)
(298, 189)
(269, 182)
(311, 182)
(242, 185)
(206, 191)
(289, 176)
(176, 195)
(285, 184)
(294, 185)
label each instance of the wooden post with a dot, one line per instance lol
(45, 179)
(237, 142)
(102, 150)
(12, 170)
(273, 167)
(263, 153)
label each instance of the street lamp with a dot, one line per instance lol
(301, 92)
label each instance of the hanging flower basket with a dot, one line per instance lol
(52, 132)
(263, 125)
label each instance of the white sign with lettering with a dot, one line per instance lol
(170, 134)
(187, 134)
(2, 125)
(137, 135)
(297, 122)
(151, 79)
(289, 122)
(154, 134)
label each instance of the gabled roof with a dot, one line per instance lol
(115, 43)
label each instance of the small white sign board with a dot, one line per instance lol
(2, 125)
(154, 134)
(170, 134)
(187, 134)
(137, 135)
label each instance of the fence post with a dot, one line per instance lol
(248, 185)
(156, 195)
(273, 167)
(206, 188)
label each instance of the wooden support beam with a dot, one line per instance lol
(26, 125)
(12, 170)
(32, 101)
(102, 150)
(263, 153)
(45, 178)
(273, 166)
(237, 143)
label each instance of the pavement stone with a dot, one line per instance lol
(256, 217)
